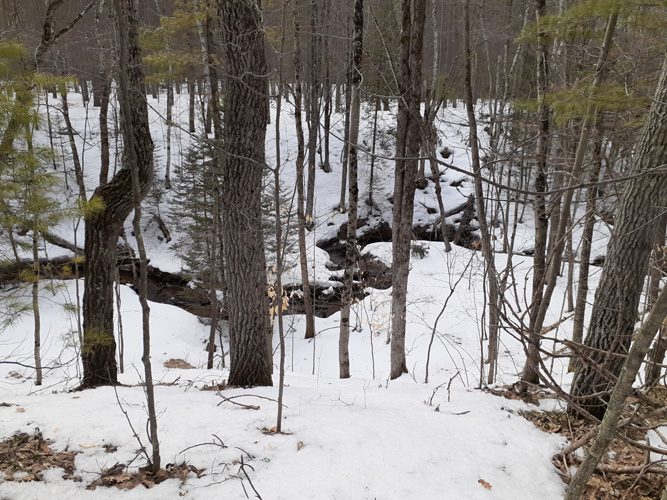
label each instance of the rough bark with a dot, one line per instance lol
(103, 227)
(413, 17)
(617, 297)
(627, 375)
(244, 131)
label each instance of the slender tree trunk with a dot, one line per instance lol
(351, 242)
(35, 304)
(104, 130)
(314, 110)
(137, 140)
(586, 241)
(530, 374)
(78, 171)
(300, 158)
(487, 249)
(191, 108)
(244, 132)
(407, 150)
(170, 104)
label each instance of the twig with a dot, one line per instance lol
(242, 469)
(134, 433)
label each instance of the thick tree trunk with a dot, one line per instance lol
(103, 226)
(617, 298)
(244, 131)
(407, 150)
(627, 374)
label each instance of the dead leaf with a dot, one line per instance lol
(299, 446)
(484, 483)
(273, 429)
(20, 410)
(271, 448)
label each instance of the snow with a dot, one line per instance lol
(361, 438)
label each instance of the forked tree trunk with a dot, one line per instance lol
(104, 225)
(244, 132)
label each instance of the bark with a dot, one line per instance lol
(313, 111)
(35, 305)
(301, 213)
(138, 140)
(656, 355)
(78, 171)
(244, 132)
(103, 227)
(628, 373)
(529, 374)
(413, 17)
(170, 103)
(191, 108)
(104, 130)
(617, 297)
(586, 240)
(353, 198)
(487, 249)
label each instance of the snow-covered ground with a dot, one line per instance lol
(361, 438)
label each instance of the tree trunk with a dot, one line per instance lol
(313, 111)
(300, 203)
(104, 130)
(103, 226)
(137, 140)
(407, 150)
(617, 298)
(487, 249)
(244, 132)
(351, 242)
(627, 375)
(530, 374)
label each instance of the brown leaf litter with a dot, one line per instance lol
(23, 457)
(626, 471)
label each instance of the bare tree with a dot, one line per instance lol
(351, 242)
(413, 17)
